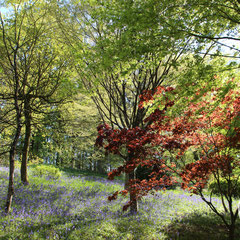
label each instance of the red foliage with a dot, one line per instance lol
(210, 127)
(216, 133)
(113, 197)
(139, 144)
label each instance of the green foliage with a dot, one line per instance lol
(36, 160)
(68, 134)
(223, 187)
(4, 161)
(46, 171)
(17, 164)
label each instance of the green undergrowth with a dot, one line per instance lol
(47, 171)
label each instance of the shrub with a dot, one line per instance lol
(17, 164)
(4, 161)
(35, 160)
(46, 171)
(235, 186)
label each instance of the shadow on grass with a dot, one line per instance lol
(59, 228)
(84, 173)
(78, 172)
(75, 228)
(193, 226)
(198, 226)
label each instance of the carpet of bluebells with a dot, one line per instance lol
(76, 207)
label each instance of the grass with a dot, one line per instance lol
(77, 172)
(76, 207)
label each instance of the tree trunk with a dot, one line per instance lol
(232, 227)
(133, 199)
(100, 167)
(128, 178)
(231, 232)
(73, 158)
(126, 181)
(78, 162)
(73, 162)
(57, 160)
(82, 160)
(11, 160)
(90, 165)
(27, 114)
(15, 140)
(11, 180)
(95, 166)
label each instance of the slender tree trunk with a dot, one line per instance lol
(100, 167)
(27, 114)
(133, 199)
(126, 181)
(17, 133)
(128, 178)
(90, 165)
(11, 181)
(78, 162)
(95, 166)
(73, 162)
(73, 158)
(61, 161)
(11, 159)
(32, 145)
(82, 161)
(57, 160)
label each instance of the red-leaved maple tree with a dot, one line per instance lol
(210, 127)
(139, 144)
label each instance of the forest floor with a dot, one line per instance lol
(76, 207)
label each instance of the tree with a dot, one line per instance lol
(214, 132)
(210, 21)
(209, 126)
(139, 144)
(214, 25)
(68, 133)
(34, 71)
(16, 109)
(114, 78)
